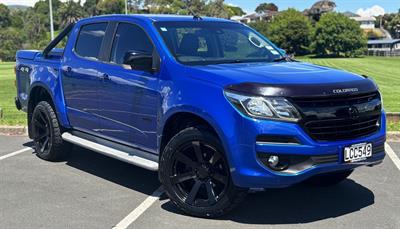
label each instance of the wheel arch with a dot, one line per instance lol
(37, 93)
(184, 118)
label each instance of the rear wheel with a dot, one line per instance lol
(196, 176)
(330, 179)
(49, 144)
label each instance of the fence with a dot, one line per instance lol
(382, 53)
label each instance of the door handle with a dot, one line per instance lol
(68, 71)
(106, 77)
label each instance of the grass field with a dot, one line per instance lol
(386, 72)
(11, 116)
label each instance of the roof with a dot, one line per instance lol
(156, 17)
(268, 13)
(385, 41)
(364, 18)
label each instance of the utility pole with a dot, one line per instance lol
(51, 20)
(126, 6)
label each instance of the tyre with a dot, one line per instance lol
(46, 130)
(195, 174)
(330, 179)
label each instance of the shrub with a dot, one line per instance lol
(291, 30)
(337, 35)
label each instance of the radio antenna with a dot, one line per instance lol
(195, 16)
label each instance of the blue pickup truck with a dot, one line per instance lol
(212, 105)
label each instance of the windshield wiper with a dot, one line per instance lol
(228, 62)
(283, 58)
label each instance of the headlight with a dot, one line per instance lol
(264, 107)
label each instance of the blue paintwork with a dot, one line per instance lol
(133, 107)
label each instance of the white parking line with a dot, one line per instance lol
(393, 156)
(134, 215)
(15, 153)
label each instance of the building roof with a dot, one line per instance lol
(364, 18)
(268, 13)
(385, 41)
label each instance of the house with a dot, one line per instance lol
(386, 47)
(365, 22)
(255, 17)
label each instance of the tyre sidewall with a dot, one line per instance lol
(41, 107)
(166, 163)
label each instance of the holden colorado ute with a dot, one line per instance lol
(210, 104)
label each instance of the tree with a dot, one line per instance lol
(291, 30)
(217, 8)
(5, 19)
(111, 7)
(319, 8)
(35, 31)
(393, 25)
(10, 41)
(70, 12)
(234, 11)
(337, 35)
(134, 6)
(41, 8)
(260, 26)
(264, 7)
(17, 18)
(90, 7)
(197, 6)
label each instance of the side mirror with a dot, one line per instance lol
(139, 60)
(283, 52)
(290, 56)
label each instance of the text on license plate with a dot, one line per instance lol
(358, 152)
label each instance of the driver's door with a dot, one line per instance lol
(129, 98)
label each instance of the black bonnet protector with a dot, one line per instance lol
(305, 90)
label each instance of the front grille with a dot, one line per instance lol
(332, 118)
(325, 159)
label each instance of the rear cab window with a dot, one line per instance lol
(90, 39)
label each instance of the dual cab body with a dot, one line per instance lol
(210, 103)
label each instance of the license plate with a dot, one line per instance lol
(358, 152)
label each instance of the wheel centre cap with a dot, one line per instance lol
(203, 172)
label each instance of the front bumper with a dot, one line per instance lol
(248, 171)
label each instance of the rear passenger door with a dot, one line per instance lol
(129, 98)
(81, 78)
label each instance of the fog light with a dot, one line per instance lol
(277, 163)
(273, 161)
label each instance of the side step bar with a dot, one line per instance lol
(105, 150)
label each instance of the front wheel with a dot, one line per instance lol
(195, 174)
(49, 144)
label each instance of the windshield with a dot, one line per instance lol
(204, 43)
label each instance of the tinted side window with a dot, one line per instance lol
(89, 40)
(129, 37)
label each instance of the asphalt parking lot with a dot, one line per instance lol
(93, 191)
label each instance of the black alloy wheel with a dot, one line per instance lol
(196, 175)
(199, 174)
(42, 132)
(46, 131)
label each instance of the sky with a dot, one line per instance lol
(389, 6)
